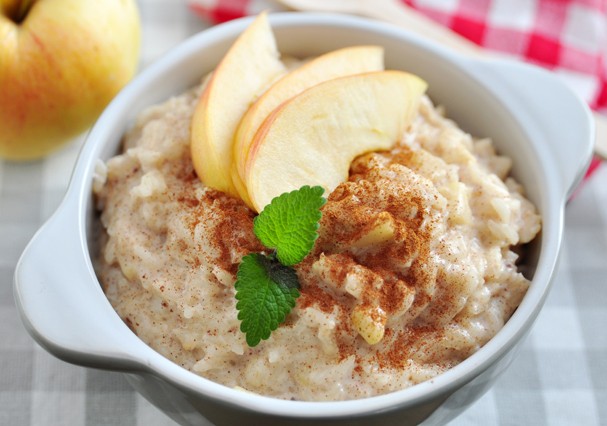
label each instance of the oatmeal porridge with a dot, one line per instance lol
(415, 266)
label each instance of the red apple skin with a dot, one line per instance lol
(59, 67)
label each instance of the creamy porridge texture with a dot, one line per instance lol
(413, 271)
(414, 267)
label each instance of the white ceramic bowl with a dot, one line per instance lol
(530, 115)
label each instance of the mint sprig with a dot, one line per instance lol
(267, 285)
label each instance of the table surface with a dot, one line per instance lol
(559, 378)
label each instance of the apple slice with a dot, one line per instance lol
(337, 63)
(248, 68)
(312, 138)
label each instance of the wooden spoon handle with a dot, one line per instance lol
(400, 14)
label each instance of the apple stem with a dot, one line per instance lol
(24, 8)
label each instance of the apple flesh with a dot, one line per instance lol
(312, 138)
(61, 62)
(248, 68)
(337, 63)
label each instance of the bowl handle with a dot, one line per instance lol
(61, 302)
(554, 114)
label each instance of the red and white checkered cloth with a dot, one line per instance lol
(568, 37)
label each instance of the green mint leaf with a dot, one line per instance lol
(289, 223)
(266, 292)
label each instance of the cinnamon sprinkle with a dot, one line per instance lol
(350, 214)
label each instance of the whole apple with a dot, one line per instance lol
(61, 62)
